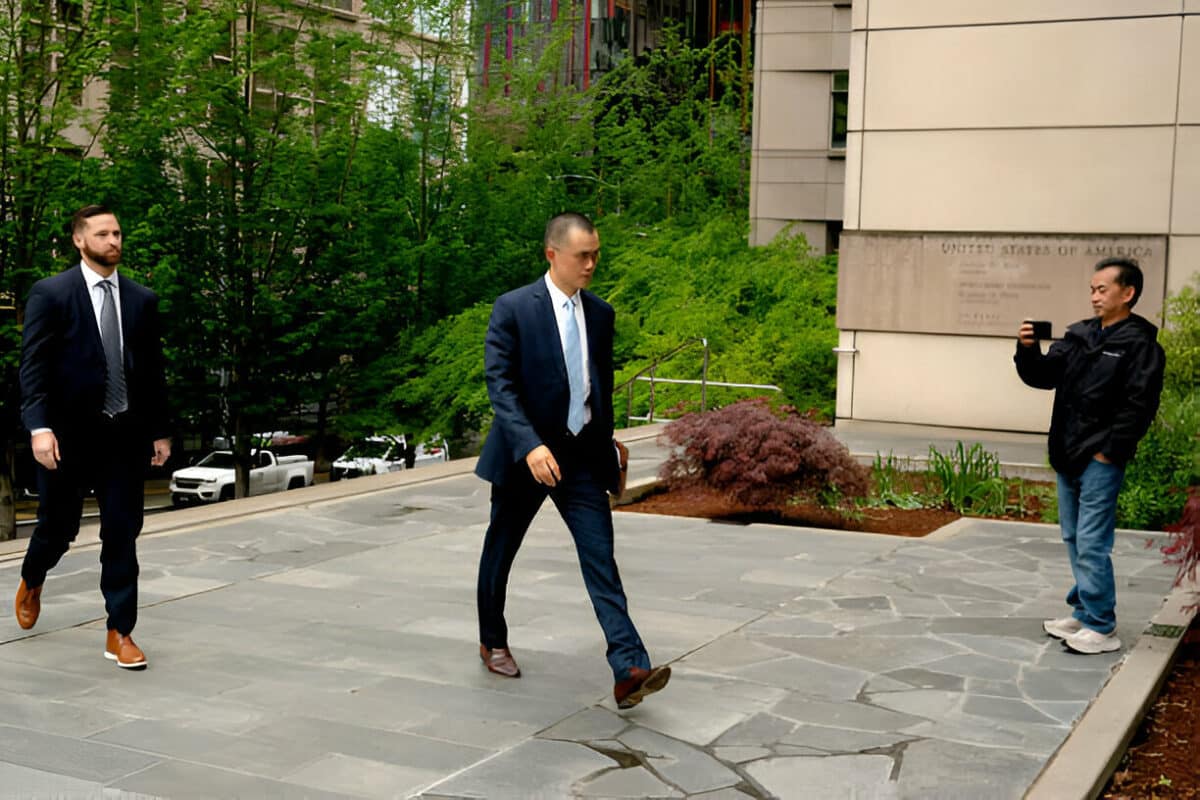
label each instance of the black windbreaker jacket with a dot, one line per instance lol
(1107, 389)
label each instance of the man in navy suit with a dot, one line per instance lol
(93, 397)
(548, 362)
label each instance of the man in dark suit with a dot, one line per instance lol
(548, 361)
(93, 397)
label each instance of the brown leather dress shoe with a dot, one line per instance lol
(641, 682)
(500, 661)
(28, 605)
(122, 650)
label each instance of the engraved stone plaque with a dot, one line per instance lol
(981, 284)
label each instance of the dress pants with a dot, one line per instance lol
(583, 504)
(109, 457)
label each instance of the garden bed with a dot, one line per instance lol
(1161, 760)
(1027, 503)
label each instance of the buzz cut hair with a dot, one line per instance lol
(79, 218)
(558, 227)
(1128, 274)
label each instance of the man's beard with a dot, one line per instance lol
(105, 259)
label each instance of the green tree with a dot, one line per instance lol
(49, 53)
(254, 132)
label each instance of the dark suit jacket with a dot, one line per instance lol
(62, 359)
(527, 383)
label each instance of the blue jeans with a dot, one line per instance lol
(1087, 514)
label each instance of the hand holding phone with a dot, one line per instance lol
(1033, 331)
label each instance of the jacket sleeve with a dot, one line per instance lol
(1138, 403)
(38, 345)
(501, 365)
(1042, 371)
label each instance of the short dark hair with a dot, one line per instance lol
(79, 218)
(1128, 274)
(557, 227)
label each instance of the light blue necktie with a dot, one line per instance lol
(573, 353)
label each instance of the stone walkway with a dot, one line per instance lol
(328, 649)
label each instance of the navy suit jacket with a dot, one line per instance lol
(527, 383)
(63, 368)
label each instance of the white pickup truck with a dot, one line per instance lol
(212, 478)
(376, 455)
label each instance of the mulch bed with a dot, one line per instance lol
(1161, 762)
(699, 502)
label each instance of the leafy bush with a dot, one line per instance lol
(759, 456)
(767, 312)
(1157, 478)
(1168, 457)
(1180, 338)
(970, 479)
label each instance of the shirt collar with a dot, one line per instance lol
(557, 296)
(93, 278)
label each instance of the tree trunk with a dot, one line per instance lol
(241, 455)
(319, 458)
(8, 506)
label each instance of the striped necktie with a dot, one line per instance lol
(116, 398)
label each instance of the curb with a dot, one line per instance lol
(204, 516)
(1082, 765)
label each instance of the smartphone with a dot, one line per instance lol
(1041, 329)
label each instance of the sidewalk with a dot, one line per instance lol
(312, 645)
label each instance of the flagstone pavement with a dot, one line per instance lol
(328, 648)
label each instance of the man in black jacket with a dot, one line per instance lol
(1107, 373)
(93, 397)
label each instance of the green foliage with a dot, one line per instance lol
(438, 379)
(44, 68)
(894, 484)
(1166, 463)
(1180, 338)
(1168, 457)
(970, 479)
(322, 230)
(767, 313)
(661, 142)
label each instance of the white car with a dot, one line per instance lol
(376, 455)
(212, 478)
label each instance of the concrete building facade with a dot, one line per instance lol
(801, 92)
(996, 149)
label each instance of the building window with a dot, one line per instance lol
(833, 236)
(840, 105)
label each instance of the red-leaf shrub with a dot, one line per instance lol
(1183, 551)
(759, 456)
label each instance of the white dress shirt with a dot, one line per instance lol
(559, 299)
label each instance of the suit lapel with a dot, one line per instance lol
(589, 319)
(544, 312)
(127, 317)
(84, 309)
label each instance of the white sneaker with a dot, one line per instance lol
(1091, 642)
(1063, 627)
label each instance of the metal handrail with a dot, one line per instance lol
(647, 374)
